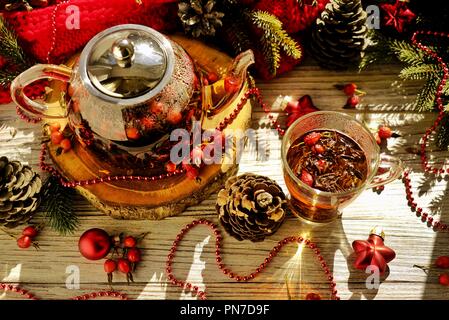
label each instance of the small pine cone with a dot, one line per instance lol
(20, 190)
(251, 207)
(199, 17)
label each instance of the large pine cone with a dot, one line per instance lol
(20, 190)
(251, 207)
(339, 35)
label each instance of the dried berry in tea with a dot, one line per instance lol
(328, 160)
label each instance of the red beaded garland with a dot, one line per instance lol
(227, 272)
(436, 225)
(252, 92)
(87, 296)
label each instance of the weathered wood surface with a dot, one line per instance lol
(44, 271)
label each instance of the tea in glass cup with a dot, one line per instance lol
(328, 159)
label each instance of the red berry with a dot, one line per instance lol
(30, 231)
(66, 145)
(191, 171)
(306, 178)
(134, 255)
(378, 140)
(352, 101)
(24, 242)
(157, 107)
(318, 148)
(56, 137)
(350, 89)
(312, 138)
(132, 133)
(212, 77)
(123, 265)
(443, 279)
(148, 123)
(385, 132)
(174, 117)
(170, 167)
(442, 262)
(313, 296)
(231, 84)
(129, 242)
(110, 266)
(55, 126)
(321, 164)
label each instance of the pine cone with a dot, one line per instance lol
(20, 190)
(251, 207)
(339, 36)
(199, 19)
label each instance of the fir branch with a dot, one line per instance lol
(57, 203)
(420, 72)
(7, 76)
(426, 98)
(10, 48)
(442, 137)
(274, 38)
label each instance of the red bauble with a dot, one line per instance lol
(373, 252)
(94, 244)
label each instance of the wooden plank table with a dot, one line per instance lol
(388, 101)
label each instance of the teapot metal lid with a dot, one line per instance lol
(127, 64)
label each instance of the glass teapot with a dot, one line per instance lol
(128, 87)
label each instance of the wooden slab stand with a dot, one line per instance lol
(160, 199)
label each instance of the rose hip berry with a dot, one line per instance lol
(66, 145)
(443, 279)
(306, 178)
(132, 133)
(56, 137)
(312, 138)
(350, 89)
(134, 255)
(55, 126)
(30, 231)
(170, 167)
(123, 265)
(352, 102)
(129, 242)
(24, 242)
(110, 266)
(385, 132)
(318, 148)
(442, 262)
(313, 296)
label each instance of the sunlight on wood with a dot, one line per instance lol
(195, 275)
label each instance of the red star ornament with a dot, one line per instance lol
(296, 109)
(397, 15)
(373, 252)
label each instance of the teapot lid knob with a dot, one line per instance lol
(123, 51)
(127, 64)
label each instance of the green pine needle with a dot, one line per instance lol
(274, 39)
(57, 204)
(10, 48)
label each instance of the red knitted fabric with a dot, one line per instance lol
(294, 16)
(36, 34)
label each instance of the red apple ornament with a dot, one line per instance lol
(94, 244)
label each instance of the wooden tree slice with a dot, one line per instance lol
(155, 199)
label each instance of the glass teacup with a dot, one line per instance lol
(320, 206)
